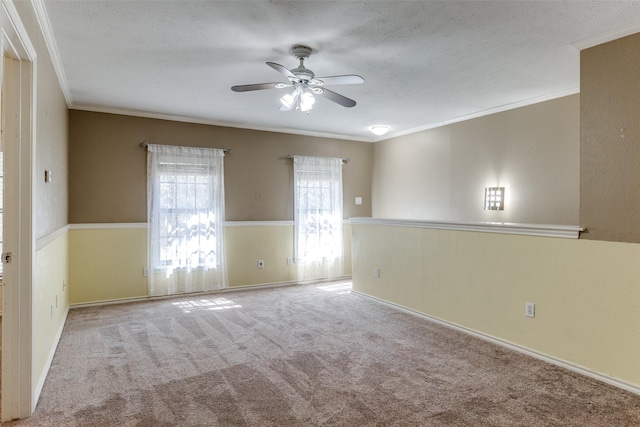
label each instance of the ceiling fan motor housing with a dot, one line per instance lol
(301, 51)
(303, 74)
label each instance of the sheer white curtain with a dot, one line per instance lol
(185, 216)
(318, 217)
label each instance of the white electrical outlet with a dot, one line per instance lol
(145, 272)
(530, 309)
(289, 260)
(260, 263)
(376, 272)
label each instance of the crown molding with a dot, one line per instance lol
(52, 47)
(607, 36)
(201, 121)
(482, 113)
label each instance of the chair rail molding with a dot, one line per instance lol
(542, 230)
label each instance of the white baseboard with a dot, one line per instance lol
(52, 353)
(218, 291)
(184, 294)
(546, 358)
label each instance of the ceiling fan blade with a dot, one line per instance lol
(337, 98)
(281, 69)
(258, 86)
(347, 79)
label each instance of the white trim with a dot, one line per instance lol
(52, 47)
(541, 230)
(16, 32)
(181, 295)
(203, 121)
(607, 36)
(540, 356)
(368, 138)
(52, 353)
(49, 238)
(258, 223)
(117, 225)
(218, 291)
(18, 399)
(482, 113)
(107, 225)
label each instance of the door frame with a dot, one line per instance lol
(18, 399)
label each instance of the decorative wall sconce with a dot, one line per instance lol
(494, 199)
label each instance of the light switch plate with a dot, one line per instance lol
(530, 309)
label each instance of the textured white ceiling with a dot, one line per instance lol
(424, 62)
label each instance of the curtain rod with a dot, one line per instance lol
(344, 160)
(225, 150)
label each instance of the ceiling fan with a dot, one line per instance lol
(304, 84)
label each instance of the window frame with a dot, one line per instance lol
(190, 170)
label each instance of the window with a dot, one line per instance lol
(184, 237)
(185, 218)
(315, 195)
(318, 218)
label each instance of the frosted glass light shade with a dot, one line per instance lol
(306, 101)
(287, 100)
(379, 129)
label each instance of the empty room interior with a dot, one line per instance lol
(198, 229)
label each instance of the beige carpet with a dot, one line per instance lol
(0, 358)
(313, 355)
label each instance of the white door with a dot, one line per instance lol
(18, 90)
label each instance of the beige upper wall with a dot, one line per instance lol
(107, 168)
(610, 140)
(51, 140)
(440, 174)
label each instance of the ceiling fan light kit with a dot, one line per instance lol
(304, 84)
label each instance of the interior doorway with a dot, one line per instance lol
(18, 87)
(2, 224)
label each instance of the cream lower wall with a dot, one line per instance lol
(107, 264)
(50, 303)
(586, 293)
(246, 245)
